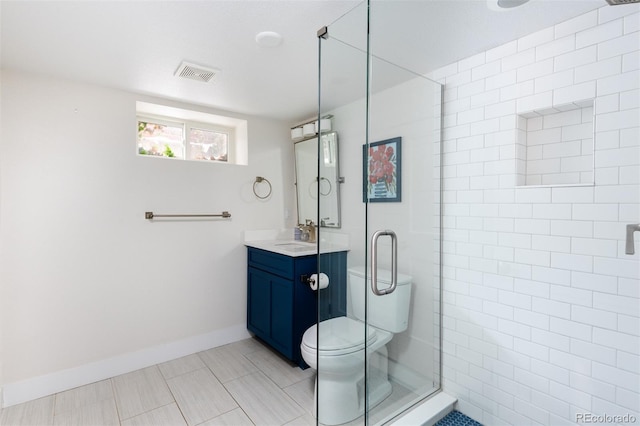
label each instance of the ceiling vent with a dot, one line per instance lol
(195, 72)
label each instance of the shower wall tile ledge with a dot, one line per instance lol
(429, 412)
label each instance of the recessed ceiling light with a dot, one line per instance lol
(268, 39)
(500, 5)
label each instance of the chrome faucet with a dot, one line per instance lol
(631, 228)
(309, 228)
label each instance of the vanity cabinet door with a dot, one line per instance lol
(282, 316)
(270, 309)
(258, 302)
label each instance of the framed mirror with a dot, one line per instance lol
(326, 187)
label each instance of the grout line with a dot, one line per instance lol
(115, 400)
(175, 401)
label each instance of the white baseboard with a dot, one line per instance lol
(429, 412)
(49, 384)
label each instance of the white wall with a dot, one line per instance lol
(541, 305)
(84, 277)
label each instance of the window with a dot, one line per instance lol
(208, 144)
(190, 135)
(183, 140)
(160, 139)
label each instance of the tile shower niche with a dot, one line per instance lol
(555, 146)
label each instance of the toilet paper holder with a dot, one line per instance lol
(306, 279)
(310, 280)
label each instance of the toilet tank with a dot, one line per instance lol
(389, 312)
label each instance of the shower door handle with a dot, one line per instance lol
(374, 262)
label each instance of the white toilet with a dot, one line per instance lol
(340, 358)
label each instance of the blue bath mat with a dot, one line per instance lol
(456, 418)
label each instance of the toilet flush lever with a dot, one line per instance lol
(631, 228)
(374, 262)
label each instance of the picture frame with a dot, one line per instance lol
(382, 171)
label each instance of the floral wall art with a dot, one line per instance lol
(381, 171)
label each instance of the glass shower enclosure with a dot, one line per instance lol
(381, 356)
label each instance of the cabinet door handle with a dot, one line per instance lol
(374, 262)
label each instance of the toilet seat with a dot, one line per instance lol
(339, 336)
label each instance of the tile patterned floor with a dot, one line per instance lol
(243, 383)
(456, 418)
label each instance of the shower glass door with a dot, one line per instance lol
(388, 121)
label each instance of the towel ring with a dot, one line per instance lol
(258, 180)
(313, 185)
(320, 186)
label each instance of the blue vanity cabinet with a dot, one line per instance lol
(280, 304)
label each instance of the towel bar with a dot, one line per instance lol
(151, 215)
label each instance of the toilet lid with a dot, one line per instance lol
(338, 336)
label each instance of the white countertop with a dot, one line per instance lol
(281, 241)
(295, 248)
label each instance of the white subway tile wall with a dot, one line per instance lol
(541, 305)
